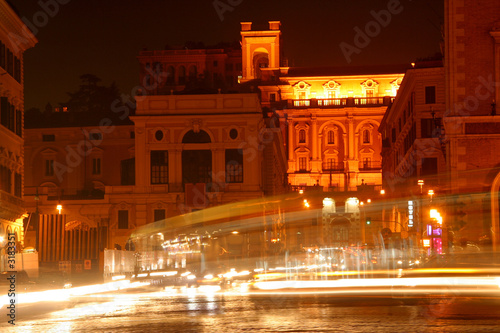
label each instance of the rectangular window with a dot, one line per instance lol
(5, 180)
(96, 166)
(19, 123)
(49, 168)
(302, 136)
(3, 62)
(132, 135)
(427, 127)
(272, 97)
(234, 166)
(159, 167)
(330, 164)
(128, 172)
(10, 62)
(48, 137)
(216, 63)
(302, 164)
(123, 219)
(18, 183)
(367, 161)
(159, 214)
(5, 112)
(430, 95)
(17, 69)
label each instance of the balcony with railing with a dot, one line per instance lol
(332, 103)
(369, 165)
(11, 207)
(332, 167)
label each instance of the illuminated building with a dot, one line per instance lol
(15, 39)
(329, 116)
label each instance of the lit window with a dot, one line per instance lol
(159, 167)
(367, 161)
(302, 164)
(234, 166)
(331, 137)
(366, 136)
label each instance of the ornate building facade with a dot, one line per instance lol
(15, 39)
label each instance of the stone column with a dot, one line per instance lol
(316, 167)
(291, 146)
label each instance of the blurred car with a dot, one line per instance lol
(458, 264)
(54, 280)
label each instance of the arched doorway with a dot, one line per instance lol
(196, 163)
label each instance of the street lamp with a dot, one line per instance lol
(59, 208)
(421, 184)
(431, 193)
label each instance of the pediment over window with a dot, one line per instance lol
(48, 151)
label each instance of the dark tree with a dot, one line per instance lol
(91, 96)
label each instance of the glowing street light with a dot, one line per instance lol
(59, 208)
(421, 184)
(382, 191)
(431, 193)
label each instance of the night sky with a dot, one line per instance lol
(105, 37)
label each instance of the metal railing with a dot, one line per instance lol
(333, 167)
(370, 165)
(340, 102)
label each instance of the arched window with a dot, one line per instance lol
(170, 75)
(302, 136)
(331, 137)
(366, 136)
(192, 73)
(200, 137)
(182, 75)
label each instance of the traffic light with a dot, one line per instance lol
(368, 220)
